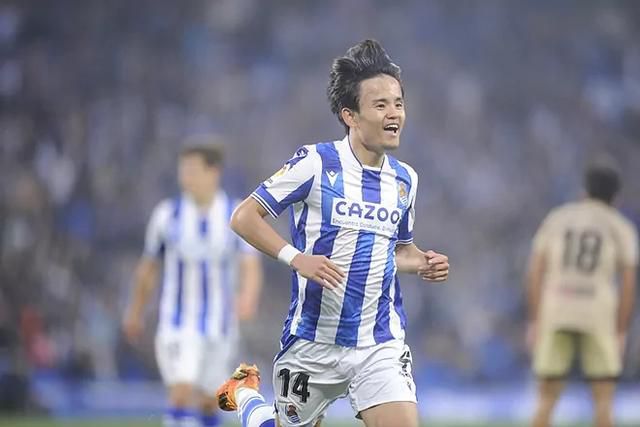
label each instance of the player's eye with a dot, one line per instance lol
(399, 105)
(380, 106)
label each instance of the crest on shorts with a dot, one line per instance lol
(402, 193)
(292, 414)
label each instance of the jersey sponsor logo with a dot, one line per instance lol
(365, 216)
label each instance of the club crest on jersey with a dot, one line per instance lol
(366, 216)
(402, 193)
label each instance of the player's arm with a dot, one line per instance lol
(146, 274)
(145, 281)
(535, 275)
(290, 185)
(250, 271)
(534, 279)
(628, 263)
(627, 298)
(430, 265)
(248, 220)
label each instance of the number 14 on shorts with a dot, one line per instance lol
(300, 386)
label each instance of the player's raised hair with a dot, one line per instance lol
(602, 180)
(365, 60)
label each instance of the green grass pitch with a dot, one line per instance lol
(42, 422)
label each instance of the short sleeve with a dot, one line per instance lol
(543, 235)
(405, 229)
(154, 242)
(290, 184)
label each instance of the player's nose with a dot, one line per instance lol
(392, 114)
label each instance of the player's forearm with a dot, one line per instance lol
(249, 223)
(627, 299)
(145, 280)
(409, 258)
(251, 277)
(534, 285)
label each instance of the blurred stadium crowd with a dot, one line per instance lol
(506, 101)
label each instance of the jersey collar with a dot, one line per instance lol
(345, 144)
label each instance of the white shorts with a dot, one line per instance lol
(309, 376)
(190, 358)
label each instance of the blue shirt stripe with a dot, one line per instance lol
(382, 328)
(347, 333)
(324, 244)
(177, 314)
(299, 240)
(274, 207)
(397, 302)
(204, 284)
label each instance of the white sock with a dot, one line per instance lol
(252, 409)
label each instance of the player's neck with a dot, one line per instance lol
(203, 201)
(365, 157)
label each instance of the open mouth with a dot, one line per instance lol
(393, 128)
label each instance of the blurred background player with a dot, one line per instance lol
(579, 253)
(353, 210)
(202, 262)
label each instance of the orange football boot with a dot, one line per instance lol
(244, 376)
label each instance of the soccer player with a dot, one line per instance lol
(579, 252)
(352, 216)
(201, 258)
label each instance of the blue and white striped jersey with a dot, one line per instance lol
(355, 215)
(199, 252)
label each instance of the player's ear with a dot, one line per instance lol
(348, 116)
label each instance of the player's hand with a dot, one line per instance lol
(133, 327)
(319, 269)
(435, 267)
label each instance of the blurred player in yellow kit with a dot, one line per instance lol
(580, 252)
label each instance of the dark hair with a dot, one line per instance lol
(365, 60)
(211, 154)
(602, 181)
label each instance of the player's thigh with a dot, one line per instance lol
(600, 356)
(215, 364)
(178, 357)
(393, 414)
(384, 377)
(305, 383)
(553, 353)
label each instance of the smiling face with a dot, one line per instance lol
(378, 123)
